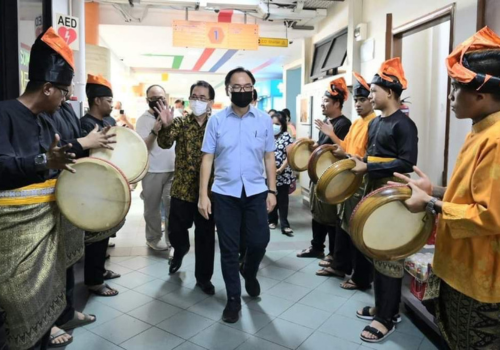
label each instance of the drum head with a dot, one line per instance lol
(383, 229)
(130, 153)
(338, 183)
(96, 198)
(320, 160)
(143, 174)
(299, 154)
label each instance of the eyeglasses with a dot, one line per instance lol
(201, 98)
(156, 99)
(64, 92)
(239, 88)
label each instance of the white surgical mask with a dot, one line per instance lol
(198, 107)
(276, 129)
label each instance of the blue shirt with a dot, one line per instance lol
(239, 145)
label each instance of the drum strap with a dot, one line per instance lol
(372, 159)
(32, 194)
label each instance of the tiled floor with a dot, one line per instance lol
(297, 310)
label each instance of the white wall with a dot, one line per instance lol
(425, 53)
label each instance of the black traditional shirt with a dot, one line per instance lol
(23, 136)
(88, 123)
(188, 137)
(68, 126)
(283, 140)
(341, 126)
(395, 136)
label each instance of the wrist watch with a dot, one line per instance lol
(41, 162)
(153, 132)
(273, 192)
(431, 206)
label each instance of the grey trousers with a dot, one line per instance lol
(155, 190)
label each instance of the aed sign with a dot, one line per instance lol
(68, 28)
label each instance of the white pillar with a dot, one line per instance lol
(78, 7)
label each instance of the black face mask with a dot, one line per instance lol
(242, 99)
(152, 105)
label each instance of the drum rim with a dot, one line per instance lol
(128, 193)
(314, 158)
(293, 149)
(142, 175)
(368, 205)
(131, 132)
(330, 173)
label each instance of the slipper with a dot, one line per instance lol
(59, 345)
(103, 289)
(109, 275)
(380, 336)
(350, 285)
(287, 231)
(111, 245)
(272, 226)
(328, 271)
(76, 322)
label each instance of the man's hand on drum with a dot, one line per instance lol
(423, 182)
(360, 168)
(339, 152)
(421, 190)
(165, 113)
(325, 127)
(58, 158)
(98, 139)
(205, 207)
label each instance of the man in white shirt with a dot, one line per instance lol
(158, 181)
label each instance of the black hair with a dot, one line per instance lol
(287, 112)
(91, 100)
(202, 83)
(338, 99)
(152, 86)
(255, 95)
(484, 62)
(180, 101)
(34, 86)
(282, 119)
(238, 70)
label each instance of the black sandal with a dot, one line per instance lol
(374, 331)
(366, 315)
(287, 231)
(101, 291)
(109, 275)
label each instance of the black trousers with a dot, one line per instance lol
(387, 295)
(95, 258)
(182, 216)
(347, 257)
(320, 232)
(230, 213)
(281, 207)
(69, 311)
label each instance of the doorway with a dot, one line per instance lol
(423, 45)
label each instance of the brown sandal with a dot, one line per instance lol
(101, 291)
(350, 285)
(328, 271)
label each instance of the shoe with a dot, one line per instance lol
(176, 262)
(231, 313)
(311, 253)
(160, 245)
(252, 285)
(206, 287)
(287, 232)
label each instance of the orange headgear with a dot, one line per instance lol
(360, 87)
(98, 86)
(458, 67)
(337, 89)
(391, 75)
(51, 59)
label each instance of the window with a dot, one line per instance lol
(329, 54)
